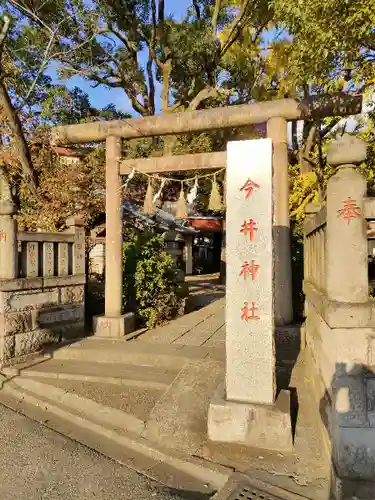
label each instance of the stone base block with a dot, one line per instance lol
(349, 489)
(7, 346)
(29, 342)
(259, 426)
(354, 453)
(105, 326)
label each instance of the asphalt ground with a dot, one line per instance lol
(37, 463)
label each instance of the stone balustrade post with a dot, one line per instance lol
(346, 239)
(310, 210)
(76, 226)
(8, 233)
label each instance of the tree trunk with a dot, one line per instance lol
(22, 147)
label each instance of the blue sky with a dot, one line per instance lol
(102, 96)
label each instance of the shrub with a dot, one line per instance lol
(150, 285)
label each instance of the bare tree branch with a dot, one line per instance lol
(31, 15)
(43, 66)
(306, 150)
(19, 138)
(150, 60)
(4, 32)
(197, 9)
(204, 94)
(215, 16)
(121, 36)
(236, 27)
(327, 129)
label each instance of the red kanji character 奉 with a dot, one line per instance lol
(249, 313)
(350, 211)
(249, 187)
(3, 236)
(249, 268)
(249, 228)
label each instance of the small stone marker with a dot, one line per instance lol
(48, 259)
(31, 259)
(250, 351)
(79, 252)
(63, 256)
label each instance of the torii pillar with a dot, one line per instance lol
(277, 131)
(113, 323)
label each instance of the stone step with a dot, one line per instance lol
(121, 410)
(167, 466)
(173, 357)
(116, 374)
(201, 333)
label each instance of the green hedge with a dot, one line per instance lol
(151, 289)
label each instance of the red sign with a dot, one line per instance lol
(249, 187)
(249, 312)
(249, 228)
(249, 268)
(350, 210)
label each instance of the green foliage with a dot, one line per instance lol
(333, 41)
(203, 59)
(367, 133)
(150, 286)
(303, 191)
(62, 106)
(311, 187)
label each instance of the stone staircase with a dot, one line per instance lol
(124, 399)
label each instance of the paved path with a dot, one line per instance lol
(37, 463)
(204, 327)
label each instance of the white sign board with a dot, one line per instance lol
(250, 351)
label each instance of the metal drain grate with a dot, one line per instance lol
(251, 493)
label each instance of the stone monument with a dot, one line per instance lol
(245, 411)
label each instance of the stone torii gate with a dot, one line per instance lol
(275, 114)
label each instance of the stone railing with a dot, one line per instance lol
(314, 246)
(42, 284)
(340, 314)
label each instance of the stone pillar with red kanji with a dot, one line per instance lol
(250, 374)
(346, 240)
(244, 411)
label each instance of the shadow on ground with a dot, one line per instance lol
(184, 494)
